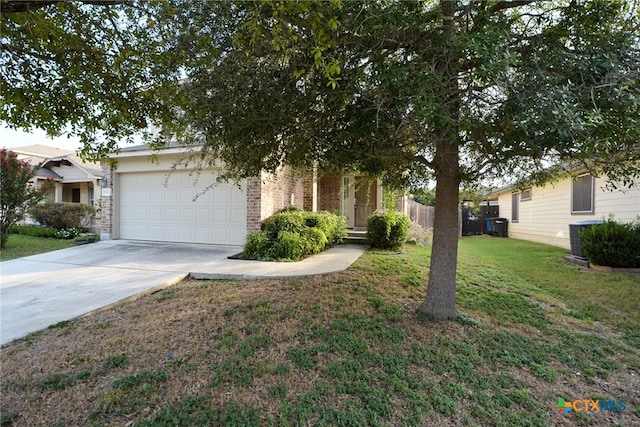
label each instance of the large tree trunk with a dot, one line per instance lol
(440, 302)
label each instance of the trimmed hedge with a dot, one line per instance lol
(34, 230)
(63, 215)
(44, 231)
(613, 244)
(387, 230)
(292, 234)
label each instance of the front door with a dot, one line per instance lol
(365, 200)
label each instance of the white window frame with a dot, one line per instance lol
(526, 195)
(592, 209)
(515, 206)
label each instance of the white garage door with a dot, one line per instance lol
(161, 207)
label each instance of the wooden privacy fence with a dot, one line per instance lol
(420, 214)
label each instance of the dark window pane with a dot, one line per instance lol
(582, 195)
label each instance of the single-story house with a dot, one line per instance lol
(165, 200)
(543, 213)
(69, 178)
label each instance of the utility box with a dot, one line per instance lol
(575, 237)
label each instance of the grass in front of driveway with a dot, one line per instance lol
(347, 349)
(19, 246)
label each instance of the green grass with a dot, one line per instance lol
(534, 273)
(19, 246)
(349, 349)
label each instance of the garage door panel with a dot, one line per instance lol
(238, 199)
(155, 197)
(156, 214)
(221, 215)
(204, 216)
(171, 197)
(186, 215)
(237, 216)
(153, 229)
(170, 215)
(154, 208)
(222, 196)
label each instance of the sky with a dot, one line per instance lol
(10, 138)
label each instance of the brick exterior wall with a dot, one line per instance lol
(106, 203)
(254, 205)
(307, 204)
(280, 191)
(329, 193)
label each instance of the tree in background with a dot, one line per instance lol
(17, 194)
(454, 91)
(424, 195)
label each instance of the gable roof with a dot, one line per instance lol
(92, 170)
(45, 157)
(47, 173)
(42, 151)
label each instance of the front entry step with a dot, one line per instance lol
(357, 237)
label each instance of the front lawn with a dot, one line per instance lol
(19, 246)
(346, 349)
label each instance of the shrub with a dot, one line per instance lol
(333, 226)
(419, 235)
(613, 244)
(314, 240)
(256, 245)
(387, 230)
(33, 230)
(68, 233)
(289, 246)
(291, 234)
(63, 215)
(292, 221)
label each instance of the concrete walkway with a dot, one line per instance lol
(42, 290)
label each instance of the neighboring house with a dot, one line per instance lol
(159, 201)
(543, 214)
(74, 180)
(66, 177)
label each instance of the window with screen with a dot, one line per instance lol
(514, 207)
(582, 195)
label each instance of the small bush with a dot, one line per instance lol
(314, 240)
(292, 221)
(34, 230)
(68, 233)
(63, 215)
(333, 226)
(419, 235)
(291, 234)
(387, 230)
(613, 244)
(288, 246)
(256, 245)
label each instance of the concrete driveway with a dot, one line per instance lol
(42, 290)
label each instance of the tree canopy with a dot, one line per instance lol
(453, 90)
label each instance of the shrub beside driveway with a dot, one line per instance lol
(346, 349)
